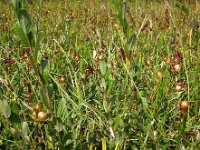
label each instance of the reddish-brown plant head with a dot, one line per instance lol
(76, 56)
(28, 62)
(26, 53)
(167, 11)
(148, 62)
(177, 68)
(177, 58)
(179, 88)
(183, 105)
(9, 61)
(56, 51)
(122, 54)
(62, 79)
(166, 60)
(102, 47)
(89, 70)
(179, 85)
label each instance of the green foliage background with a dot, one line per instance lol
(119, 85)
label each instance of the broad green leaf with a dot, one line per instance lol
(50, 90)
(24, 20)
(44, 63)
(37, 45)
(16, 4)
(44, 71)
(132, 41)
(31, 39)
(127, 50)
(22, 36)
(123, 11)
(13, 4)
(4, 38)
(25, 129)
(103, 67)
(127, 28)
(14, 112)
(103, 83)
(44, 97)
(58, 124)
(62, 111)
(78, 90)
(117, 4)
(5, 108)
(14, 118)
(14, 107)
(105, 106)
(117, 121)
(45, 76)
(108, 73)
(183, 8)
(109, 87)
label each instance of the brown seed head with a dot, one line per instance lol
(28, 62)
(177, 68)
(62, 79)
(183, 105)
(148, 62)
(159, 74)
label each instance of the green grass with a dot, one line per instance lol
(116, 61)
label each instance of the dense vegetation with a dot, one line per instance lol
(99, 74)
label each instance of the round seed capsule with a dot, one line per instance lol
(34, 115)
(177, 68)
(39, 106)
(183, 105)
(42, 116)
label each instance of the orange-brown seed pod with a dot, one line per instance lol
(148, 62)
(177, 68)
(62, 79)
(28, 62)
(183, 105)
(159, 74)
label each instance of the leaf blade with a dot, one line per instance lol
(24, 20)
(5, 109)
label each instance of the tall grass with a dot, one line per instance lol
(101, 74)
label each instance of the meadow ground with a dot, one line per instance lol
(100, 74)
